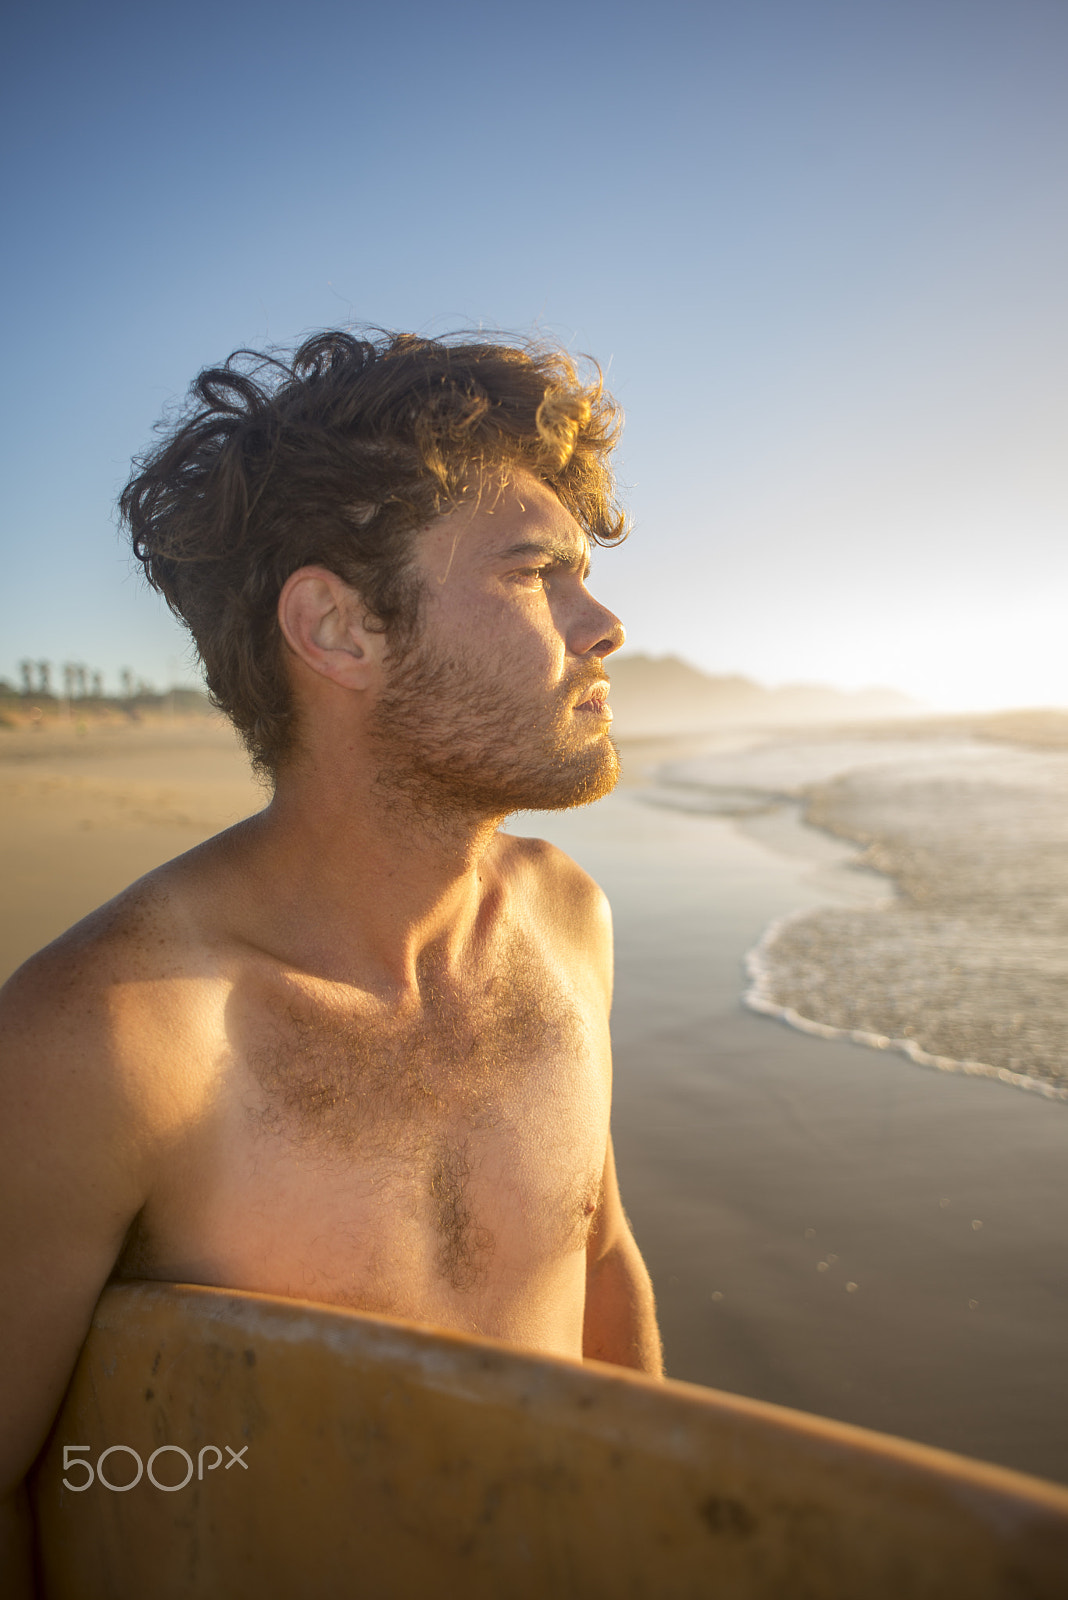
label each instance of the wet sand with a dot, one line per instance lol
(764, 1171)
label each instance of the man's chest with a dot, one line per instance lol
(380, 1161)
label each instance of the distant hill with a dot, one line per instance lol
(663, 694)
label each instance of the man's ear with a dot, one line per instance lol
(324, 621)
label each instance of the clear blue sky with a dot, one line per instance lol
(821, 247)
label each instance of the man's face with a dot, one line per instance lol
(500, 703)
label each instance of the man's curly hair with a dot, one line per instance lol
(335, 458)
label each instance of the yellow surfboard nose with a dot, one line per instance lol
(225, 1445)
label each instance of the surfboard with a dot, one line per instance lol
(226, 1445)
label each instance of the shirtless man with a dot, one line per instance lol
(355, 1049)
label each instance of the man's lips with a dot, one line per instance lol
(595, 700)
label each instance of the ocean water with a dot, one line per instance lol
(955, 951)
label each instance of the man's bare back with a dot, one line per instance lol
(356, 1049)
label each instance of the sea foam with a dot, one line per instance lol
(963, 967)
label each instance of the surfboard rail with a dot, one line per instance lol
(226, 1445)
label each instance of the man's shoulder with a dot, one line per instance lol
(547, 862)
(112, 943)
(103, 979)
(551, 879)
(68, 1071)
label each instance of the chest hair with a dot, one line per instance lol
(363, 1080)
(421, 1096)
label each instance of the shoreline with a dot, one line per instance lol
(758, 997)
(961, 965)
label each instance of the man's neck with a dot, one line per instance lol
(359, 882)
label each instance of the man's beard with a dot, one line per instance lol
(455, 741)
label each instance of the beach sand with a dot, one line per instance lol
(828, 1226)
(83, 815)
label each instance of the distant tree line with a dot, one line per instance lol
(73, 683)
(78, 682)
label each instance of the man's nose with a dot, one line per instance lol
(606, 632)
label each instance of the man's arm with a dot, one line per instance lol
(620, 1320)
(620, 1323)
(68, 1193)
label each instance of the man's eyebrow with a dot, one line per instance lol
(559, 555)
